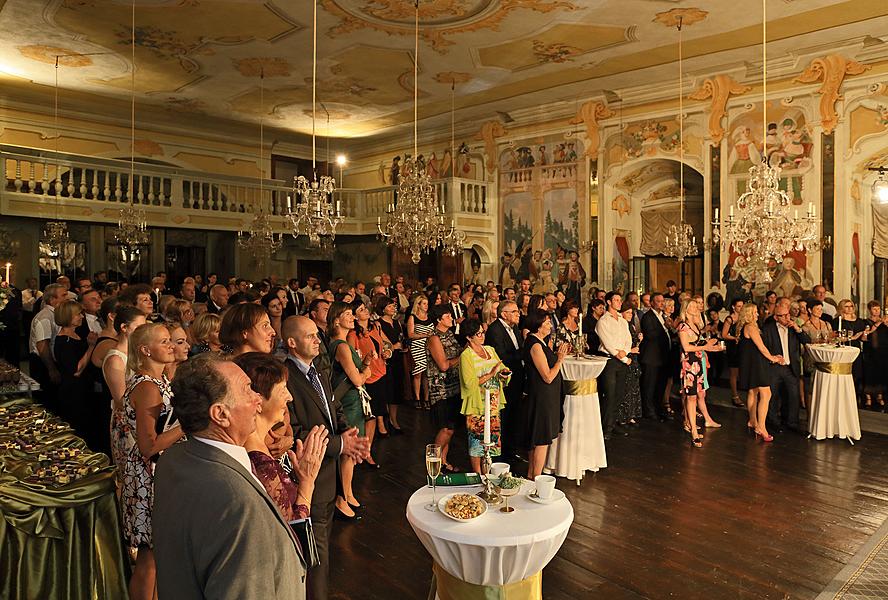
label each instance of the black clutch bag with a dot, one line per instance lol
(305, 534)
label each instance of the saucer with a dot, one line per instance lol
(556, 496)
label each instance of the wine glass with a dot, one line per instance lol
(433, 468)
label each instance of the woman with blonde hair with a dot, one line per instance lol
(754, 376)
(488, 312)
(419, 329)
(857, 330)
(180, 348)
(693, 368)
(150, 429)
(179, 311)
(204, 333)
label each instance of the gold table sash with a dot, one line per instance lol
(581, 387)
(451, 588)
(834, 368)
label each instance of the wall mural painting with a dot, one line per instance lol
(788, 144)
(438, 165)
(541, 188)
(620, 263)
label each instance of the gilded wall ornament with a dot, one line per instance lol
(831, 70)
(589, 115)
(488, 133)
(719, 88)
(621, 205)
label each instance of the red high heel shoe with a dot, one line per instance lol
(765, 438)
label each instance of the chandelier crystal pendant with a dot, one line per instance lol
(260, 239)
(315, 213)
(132, 222)
(415, 221)
(766, 226)
(680, 240)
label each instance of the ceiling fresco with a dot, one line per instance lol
(205, 58)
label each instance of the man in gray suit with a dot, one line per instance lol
(217, 533)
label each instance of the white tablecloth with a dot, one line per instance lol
(833, 410)
(497, 548)
(580, 447)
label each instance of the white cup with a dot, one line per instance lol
(545, 485)
(498, 468)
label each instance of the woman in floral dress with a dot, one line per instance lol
(693, 374)
(150, 429)
(480, 371)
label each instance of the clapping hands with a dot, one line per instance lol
(308, 455)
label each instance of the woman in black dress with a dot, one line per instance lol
(386, 308)
(875, 356)
(731, 335)
(71, 353)
(545, 408)
(754, 376)
(856, 330)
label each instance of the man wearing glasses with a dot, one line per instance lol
(783, 337)
(504, 337)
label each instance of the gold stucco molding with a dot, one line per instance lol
(589, 114)
(831, 70)
(488, 133)
(719, 88)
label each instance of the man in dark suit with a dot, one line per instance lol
(313, 404)
(783, 337)
(458, 310)
(595, 311)
(295, 299)
(504, 336)
(210, 512)
(653, 357)
(218, 298)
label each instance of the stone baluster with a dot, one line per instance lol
(32, 179)
(18, 176)
(118, 190)
(44, 184)
(82, 189)
(94, 189)
(70, 186)
(106, 191)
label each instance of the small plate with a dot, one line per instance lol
(556, 496)
(443, 502)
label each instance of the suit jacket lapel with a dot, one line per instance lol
(211, 453)
(312, 392)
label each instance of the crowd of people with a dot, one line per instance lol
(254, 402)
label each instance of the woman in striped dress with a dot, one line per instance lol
(419, 328)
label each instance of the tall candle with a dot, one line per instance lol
(580, 317)
(486, 416)
(7, 273)
(840, 324)
(732, 210)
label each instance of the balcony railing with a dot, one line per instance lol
(37, 182)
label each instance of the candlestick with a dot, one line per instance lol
(486, 416)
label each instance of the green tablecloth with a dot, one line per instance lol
(58, 541)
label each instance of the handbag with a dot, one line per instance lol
(365, 403)
(304, 532)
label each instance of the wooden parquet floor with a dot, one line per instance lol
(735, 519)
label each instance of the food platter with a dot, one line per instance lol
(462, 507)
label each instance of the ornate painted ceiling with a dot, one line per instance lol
(204, 58)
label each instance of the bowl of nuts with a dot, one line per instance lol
(462, 507)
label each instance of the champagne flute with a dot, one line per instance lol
(433, 468)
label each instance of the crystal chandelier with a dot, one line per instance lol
(415, 221)
(260, 240)
(315, 215)
(132, 222)
(680, 240)
(767, 226)
(55, 235)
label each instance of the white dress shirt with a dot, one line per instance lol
(511, 333)
(30, 298)
(238, 453)
(43, 327)
(783, 332)
(92, 321)
(614, 335)
(829, 309)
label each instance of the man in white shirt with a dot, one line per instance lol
(30, 295)
(458, 310)
(91, 301)
(40, 343)
(829, 311)
(210, 511)
(616, 343)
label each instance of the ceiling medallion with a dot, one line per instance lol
(439, 18)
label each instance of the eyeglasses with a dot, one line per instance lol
(781, 315)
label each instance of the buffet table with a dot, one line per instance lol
(499, 555)
(59, 524)
(580, 447)
(833, 410)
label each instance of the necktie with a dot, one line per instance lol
(316, 383)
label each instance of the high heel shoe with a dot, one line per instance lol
(697, 442)
(688, 429)
(765, 438)
(341, 516)
(735, 400)
(750, 430)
